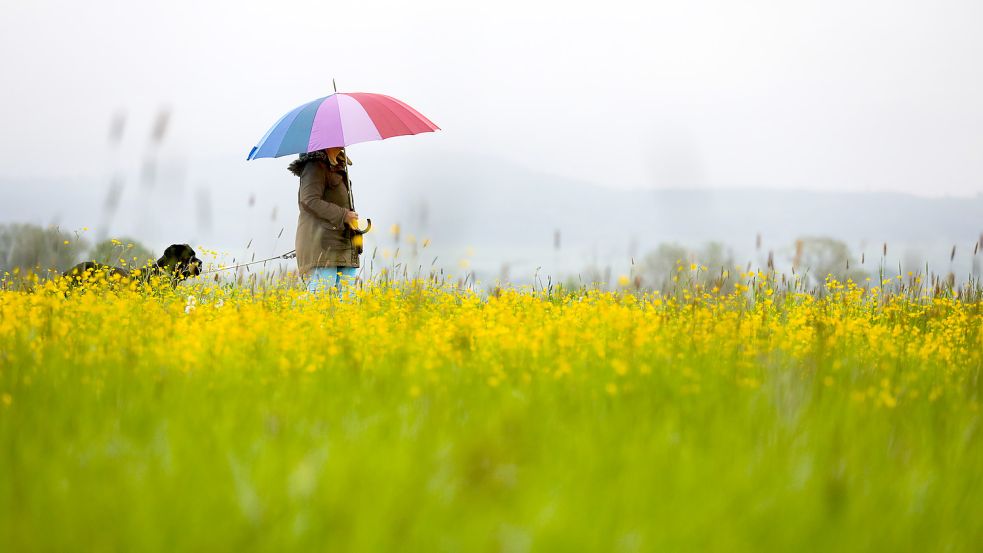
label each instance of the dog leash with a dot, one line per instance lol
(289, 255)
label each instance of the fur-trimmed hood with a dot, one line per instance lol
(337, 164)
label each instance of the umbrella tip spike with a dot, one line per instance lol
(333, 85)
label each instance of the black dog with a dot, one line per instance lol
(179, 262)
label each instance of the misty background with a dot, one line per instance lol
(576, 136)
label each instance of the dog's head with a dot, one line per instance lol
(180, 261)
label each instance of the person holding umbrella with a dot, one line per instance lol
(328, 238)
(326, 253)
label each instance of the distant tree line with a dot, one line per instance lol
(713, 265)
(28, 248)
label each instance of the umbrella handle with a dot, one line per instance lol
(357, 231)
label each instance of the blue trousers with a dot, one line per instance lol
(323, 279)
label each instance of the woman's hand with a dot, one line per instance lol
(351, 219)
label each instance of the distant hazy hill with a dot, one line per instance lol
(509, 215)
(514, 213)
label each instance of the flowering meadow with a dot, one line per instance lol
(413, 416)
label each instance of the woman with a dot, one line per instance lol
(326, 255)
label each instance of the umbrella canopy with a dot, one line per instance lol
(339, 120)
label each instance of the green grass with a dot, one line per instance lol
(103, 448)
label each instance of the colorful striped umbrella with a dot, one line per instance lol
(339, 120)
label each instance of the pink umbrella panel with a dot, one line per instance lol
(339, 120)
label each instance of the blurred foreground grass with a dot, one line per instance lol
(213, 418)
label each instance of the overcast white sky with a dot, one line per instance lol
(826, 94)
